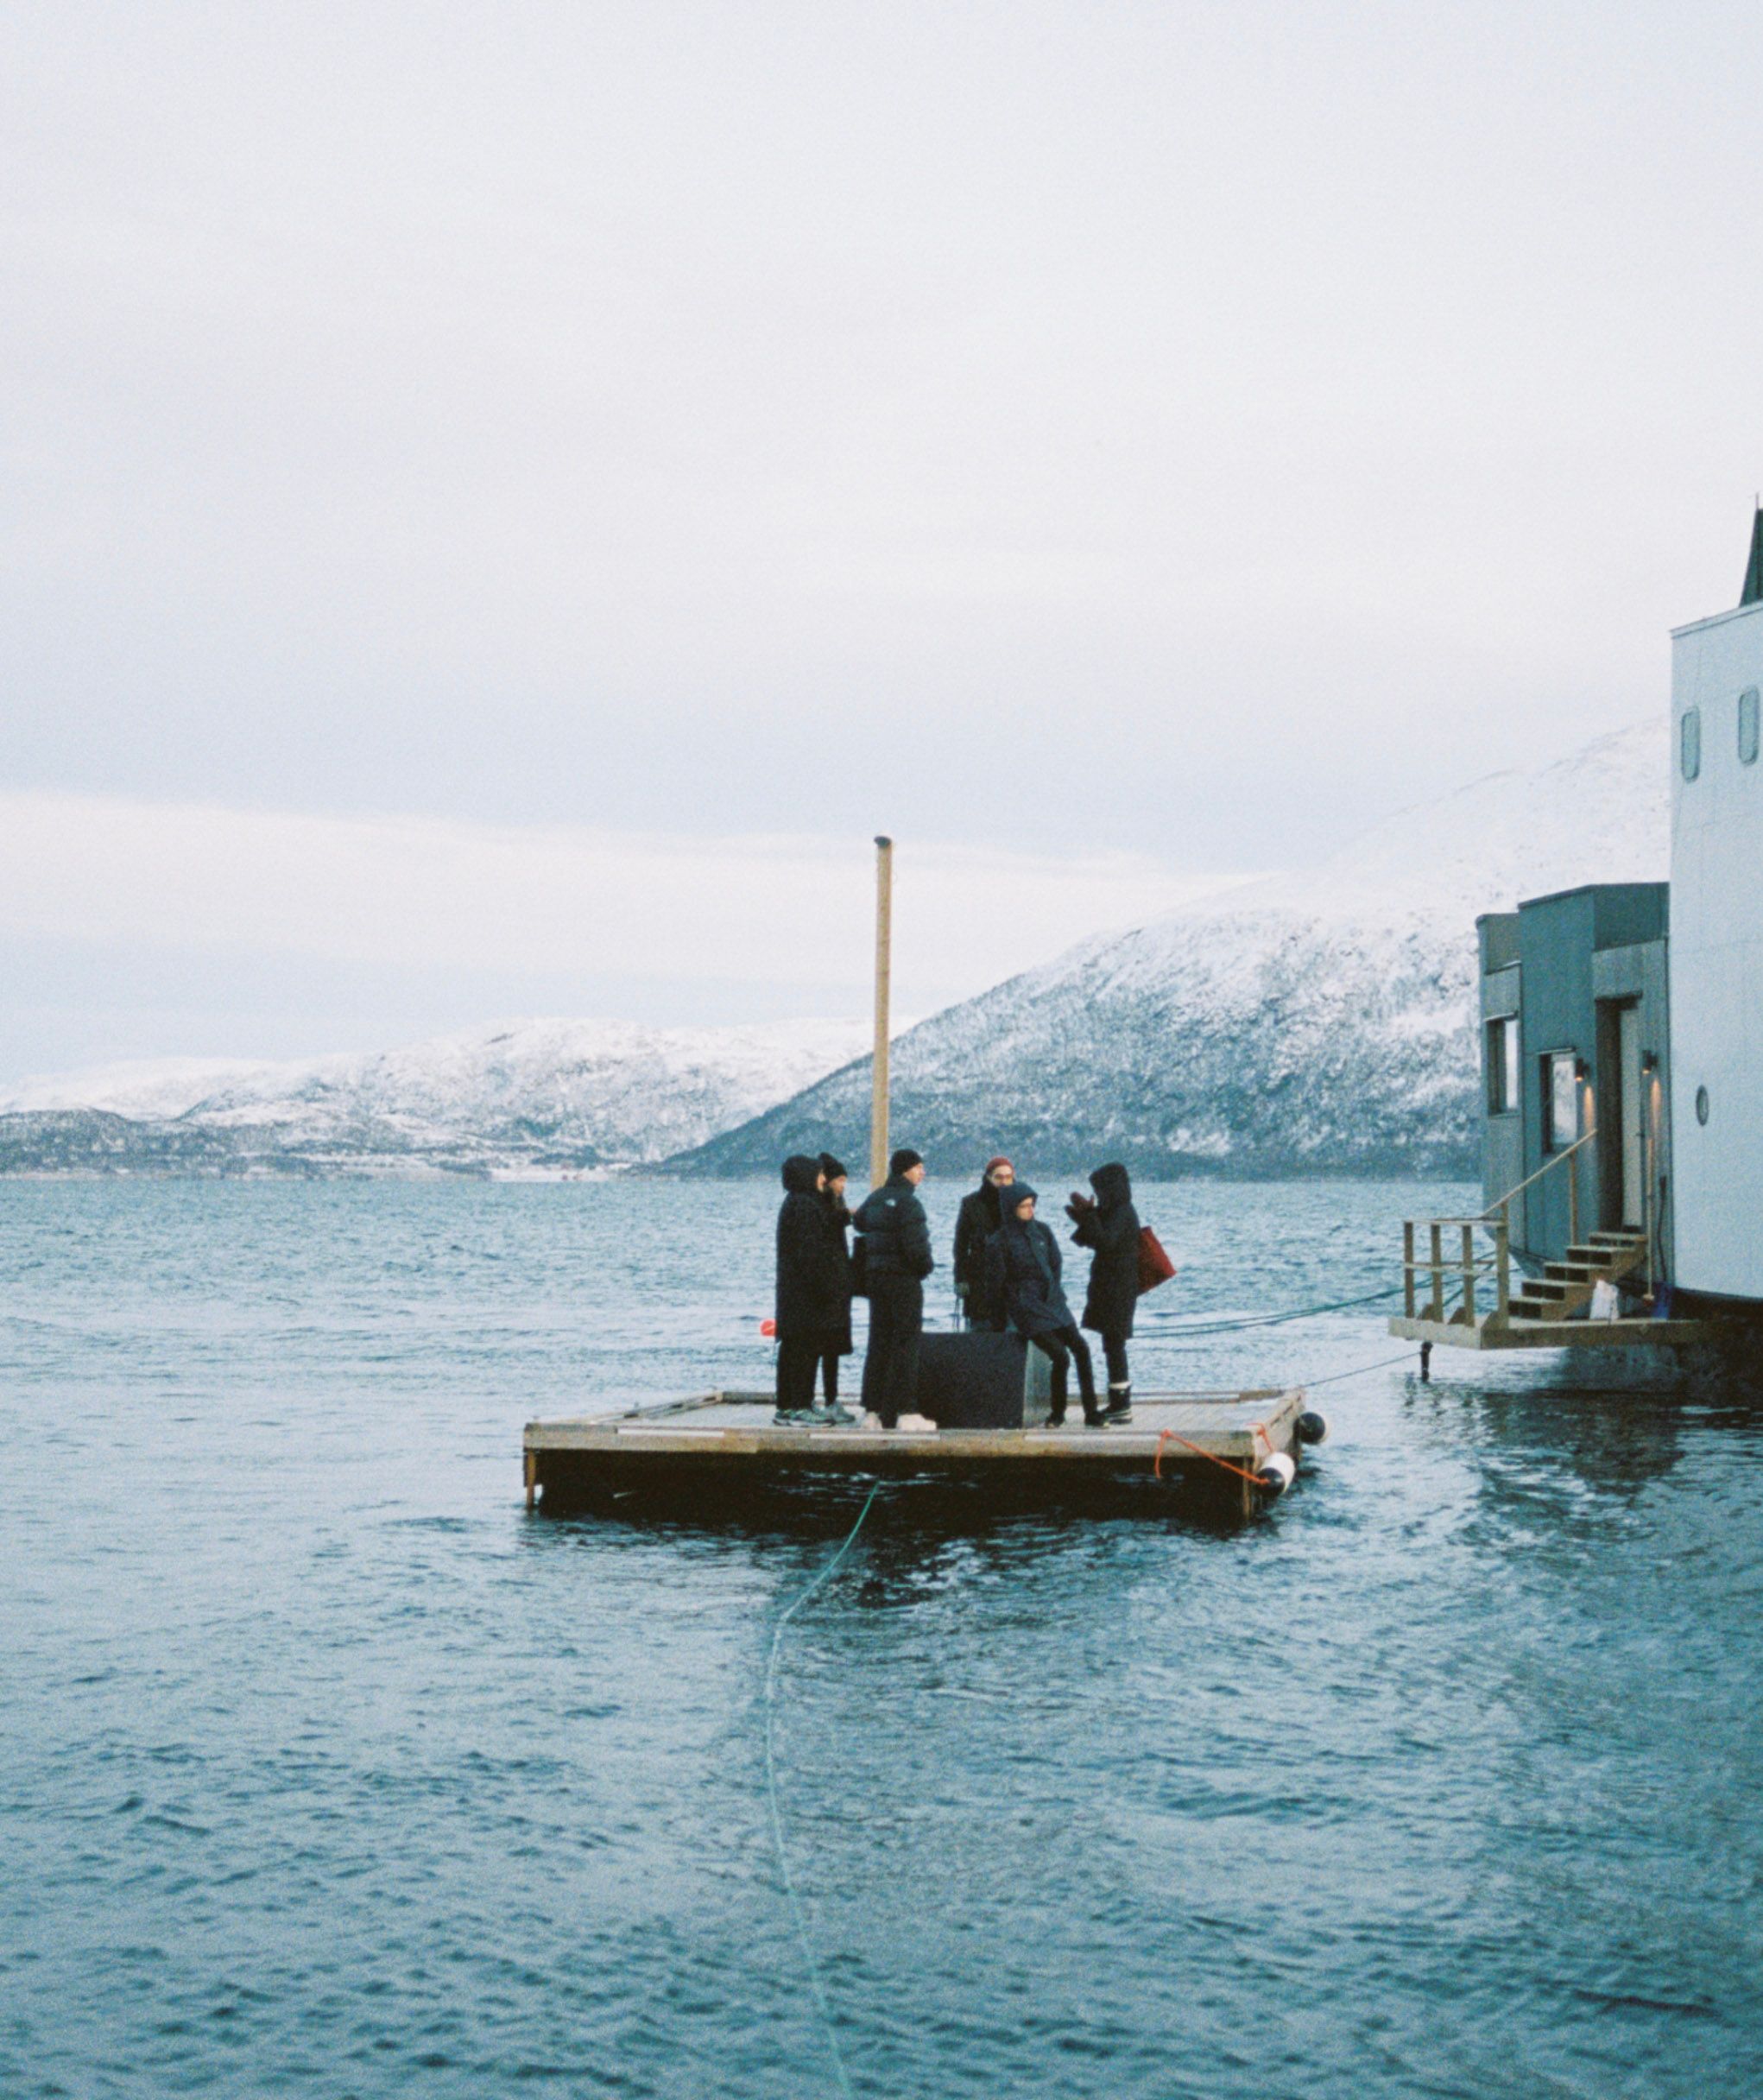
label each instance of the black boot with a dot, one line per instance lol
(1120, 1405)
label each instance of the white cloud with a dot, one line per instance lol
(416, 891)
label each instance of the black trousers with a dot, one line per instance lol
(1113, 1349)
(797, 1355)
(891, 1363)
(1062, 1344)
(829, 1375)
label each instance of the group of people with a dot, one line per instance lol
(1007, 1276)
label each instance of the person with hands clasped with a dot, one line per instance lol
(981, 1214)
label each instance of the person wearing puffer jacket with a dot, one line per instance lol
(897, 1258)
(1109, 1225)
(1022, 1280)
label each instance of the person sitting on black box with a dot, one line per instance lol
(1023, 1267)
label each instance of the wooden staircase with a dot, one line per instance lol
(1565, 1286)
(1461, 1296)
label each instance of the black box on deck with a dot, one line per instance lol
(978, 1380)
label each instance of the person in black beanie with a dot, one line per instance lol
(838, 1336)
(897, 1254)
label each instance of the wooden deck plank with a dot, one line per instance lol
(1237, 1426)
(1555, 1333)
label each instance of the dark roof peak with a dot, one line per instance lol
(1754, 569)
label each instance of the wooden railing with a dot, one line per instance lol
(1468, 1264)
(1503, 1205)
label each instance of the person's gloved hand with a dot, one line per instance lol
(1080, 1206)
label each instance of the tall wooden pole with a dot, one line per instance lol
(884, 942)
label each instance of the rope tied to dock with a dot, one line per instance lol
(1171, 1436)
(797, 1915)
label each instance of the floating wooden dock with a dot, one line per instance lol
(1490, 1333)
(714, 1446)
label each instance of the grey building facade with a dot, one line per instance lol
(1576, 1045)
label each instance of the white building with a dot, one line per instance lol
(1716, 947)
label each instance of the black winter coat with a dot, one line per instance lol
(980, 1217)
(813, 1282)
(837, 1218)
(896, 1233)
(1022, 1265)
(1112, 1229)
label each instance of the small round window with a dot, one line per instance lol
(1747, 726)
(1701, 1104)
(1689, 743)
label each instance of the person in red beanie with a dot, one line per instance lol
(982, 1214)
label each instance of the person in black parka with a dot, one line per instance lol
(811, 1280)
(838, 1341)
(1109, 1225)
(1023, 1266)
(897, 1258)
(980, 1215)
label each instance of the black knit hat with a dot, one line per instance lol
(904, 1159)
(835, 1170)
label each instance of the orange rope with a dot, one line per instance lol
(1171, 1436)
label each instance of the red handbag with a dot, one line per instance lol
(1155, 1265)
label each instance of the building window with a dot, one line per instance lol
(1689, 743)
(1560, 1101)
(1747, 726)
(1503, 1065)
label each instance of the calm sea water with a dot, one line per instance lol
(326, 1770)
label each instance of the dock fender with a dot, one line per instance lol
(1312, 1426)
(1275, 1473)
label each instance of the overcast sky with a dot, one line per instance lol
(1165, 437)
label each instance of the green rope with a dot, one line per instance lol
(777, 1815)
(1278, 1319)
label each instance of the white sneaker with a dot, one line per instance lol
(872, 1421)
(917, 1425)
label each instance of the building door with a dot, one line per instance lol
(1632, 1097)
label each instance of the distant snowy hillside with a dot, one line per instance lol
(1321, 1021)
(535, 1095)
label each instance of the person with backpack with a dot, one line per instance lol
(812, 1283)
(1108, 1224)
(1023, 1267)
(896, 1238)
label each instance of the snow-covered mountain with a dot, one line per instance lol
(1321, 1021)
(539, 1095)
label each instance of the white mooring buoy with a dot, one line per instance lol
(1276, 1472)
